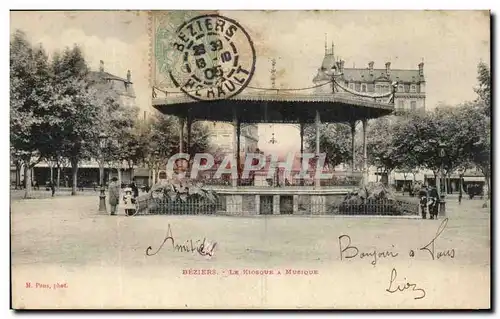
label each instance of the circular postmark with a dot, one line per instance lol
(216, 58)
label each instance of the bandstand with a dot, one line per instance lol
(253, 105)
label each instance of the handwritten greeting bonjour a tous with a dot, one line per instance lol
(347, 251)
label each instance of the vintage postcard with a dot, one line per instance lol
(250, 159)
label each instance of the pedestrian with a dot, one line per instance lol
(135, 190)
(114, 195)
(52, 188)
(422, 194)
(433, 202)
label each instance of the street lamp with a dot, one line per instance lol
(461, 172)
(103, 138)
(442, 154)
(442, 202)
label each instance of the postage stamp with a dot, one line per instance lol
(207, 56)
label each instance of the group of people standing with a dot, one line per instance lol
(114, 190)
(429, 201)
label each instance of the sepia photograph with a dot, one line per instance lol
(250, 159)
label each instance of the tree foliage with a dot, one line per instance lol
(335, 142)
(30, 101)
(484, 88)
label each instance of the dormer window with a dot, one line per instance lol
(413, 88)
(351, 86)
(363, 87)
(401, 88)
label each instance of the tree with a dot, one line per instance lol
(480, 153)
(77, 106)
(30, 99)
(484, 89)
(335, 142)
(381, 148)
(117, 122)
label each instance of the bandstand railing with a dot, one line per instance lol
(278, 179)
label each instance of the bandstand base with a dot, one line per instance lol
(251, 201)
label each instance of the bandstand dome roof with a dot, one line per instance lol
(275, 106)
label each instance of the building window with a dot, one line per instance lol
(413, 105)
(377, 88)
(363, 88)
(401, 104)
(401, 88)
(413, 88)
(351, 86)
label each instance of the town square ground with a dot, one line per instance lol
(67, 255)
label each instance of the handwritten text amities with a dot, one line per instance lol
(201, 247)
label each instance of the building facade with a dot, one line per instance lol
(222, 138)
(410, 95)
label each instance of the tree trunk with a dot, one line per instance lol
(58, 177)
(74, 171)
(446, 183)
(119, 170)
(18, 174)
(404, 183)
(487, 177)
(150, 177)
(51, 174)
(27, 180)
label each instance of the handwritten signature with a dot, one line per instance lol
(201, 247)
(405, 286)
(431, 246)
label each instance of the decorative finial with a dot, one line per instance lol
(273, 73)
(333, 45)
(273, 140)
(325, 43)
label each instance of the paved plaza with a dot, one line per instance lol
(99, 261)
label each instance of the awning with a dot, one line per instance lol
(141, 172)
(474, 179)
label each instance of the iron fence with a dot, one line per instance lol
(272, 205)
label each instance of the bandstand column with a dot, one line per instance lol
(365, 157)
(318, 123)
(353, 145)
(181, 134)
(238, 150)
(189, 124)
(236, 146)
(302, 126)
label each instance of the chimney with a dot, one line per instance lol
(101, 66)
(341, 66)
(421, 69)
(129, 76)
(370, 66)
(388, 68)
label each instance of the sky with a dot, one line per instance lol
(451, 43)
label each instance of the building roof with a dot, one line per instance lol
(107, 76)
(363, 75)
(328, 62)
(101, 79)
(276, 107)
